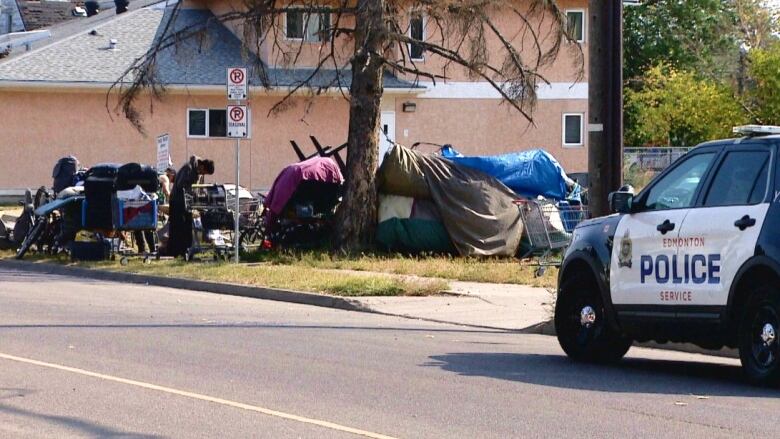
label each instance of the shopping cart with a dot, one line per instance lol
(212, 221)
(548, 228)
(214, 227)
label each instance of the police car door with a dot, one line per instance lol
(644, 254)
(717, 237)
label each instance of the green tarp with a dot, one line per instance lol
(414, 236)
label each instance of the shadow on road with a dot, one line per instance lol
(632, 375)
(84, 427)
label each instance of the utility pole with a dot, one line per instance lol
(605, 102)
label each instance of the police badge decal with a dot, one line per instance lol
(624, 257)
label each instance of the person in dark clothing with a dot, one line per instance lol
(144, 239)
(180, 220)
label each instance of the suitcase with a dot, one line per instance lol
(99, 188)
(130, 175)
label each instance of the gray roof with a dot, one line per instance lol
(201, 60)
(86, 58)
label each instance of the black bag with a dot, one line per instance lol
(63, 173)
(90, 251)
(103, 170)
(99, 188)
(133, 174)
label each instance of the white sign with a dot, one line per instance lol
(236, 83)
(163, 152)
(236, 121)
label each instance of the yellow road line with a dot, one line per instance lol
(198, 396)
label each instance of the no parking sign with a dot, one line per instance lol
(236, 121)
(236, 83)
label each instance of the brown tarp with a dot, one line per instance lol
(477, 210)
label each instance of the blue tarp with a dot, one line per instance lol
(529, 173)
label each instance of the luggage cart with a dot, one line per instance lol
(548, 230)
(134, 216)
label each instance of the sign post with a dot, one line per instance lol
(163, 152)
(237, 128)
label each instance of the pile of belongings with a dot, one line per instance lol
(464, 205)
(301, 204)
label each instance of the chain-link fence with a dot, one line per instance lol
(641, 164)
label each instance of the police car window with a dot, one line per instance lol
(741, 179)
(677, 188)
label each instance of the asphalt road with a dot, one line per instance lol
(81, 358)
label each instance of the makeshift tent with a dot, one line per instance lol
(477, 210)
(316, 169)
(529, 173)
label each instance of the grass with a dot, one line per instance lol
(490, 270)
(287, 270)
(289, 277)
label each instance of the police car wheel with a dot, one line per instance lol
(759, 347)
(580, 324)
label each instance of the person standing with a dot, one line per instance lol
(180, 220)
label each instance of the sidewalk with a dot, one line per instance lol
(498, 306)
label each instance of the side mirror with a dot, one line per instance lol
(621, 201)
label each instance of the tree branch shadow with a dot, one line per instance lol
(82, 425)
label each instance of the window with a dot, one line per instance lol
(741, 179)
(575, 24)
(207, 122)
(217, 123)
(417, 32)
(196, 124)
(676, 189)
(572, 129)
(307, 26)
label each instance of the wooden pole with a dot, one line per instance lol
(605, 102)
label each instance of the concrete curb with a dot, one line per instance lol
(323, 300)
(189, 284)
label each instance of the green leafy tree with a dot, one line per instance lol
(684, 34)
(679, 108)
(764, 92)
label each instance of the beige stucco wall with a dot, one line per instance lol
(487, 126)
(38, 127)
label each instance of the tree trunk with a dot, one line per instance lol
(356, 220)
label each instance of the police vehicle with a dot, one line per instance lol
(694, 257)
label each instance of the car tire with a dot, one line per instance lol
(581, 325)
(759, 339)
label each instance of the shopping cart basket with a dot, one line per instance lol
(547, 230)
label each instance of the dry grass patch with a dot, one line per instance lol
(490, 270)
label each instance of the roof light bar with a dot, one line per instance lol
(756, 130)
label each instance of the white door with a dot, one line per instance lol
(386, 130)
(645, 263)
(716, 239)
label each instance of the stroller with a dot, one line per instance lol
(300, 207)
